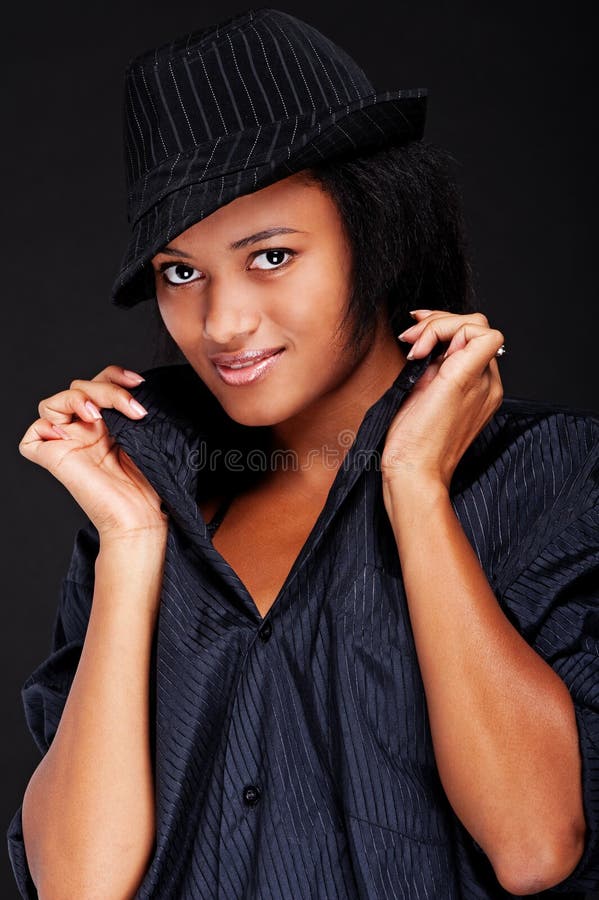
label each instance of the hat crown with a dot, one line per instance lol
(231, 108)
(254, 70)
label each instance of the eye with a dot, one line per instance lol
(274, 258)
(179, 273)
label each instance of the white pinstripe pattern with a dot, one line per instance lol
(285, 37)
(282, 62)
(199, 103)
(257, 79)
(240, 76)
(187, 119)
(167, 109)
(214, 96)
(156, 119)
(268, 65)
(232, 102)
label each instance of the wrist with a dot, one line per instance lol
(138, 544)
(402, 490)
(128, 576)
(154, 532)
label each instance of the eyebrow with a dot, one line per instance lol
(242, 242)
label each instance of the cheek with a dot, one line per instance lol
(315, 303)
(177, 319)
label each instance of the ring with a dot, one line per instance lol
(501, 350)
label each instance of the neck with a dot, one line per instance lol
(318, 438)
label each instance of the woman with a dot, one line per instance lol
(373, 672)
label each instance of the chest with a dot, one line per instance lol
(262, 534)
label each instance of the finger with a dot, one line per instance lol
(60, 432)
(477, 354)
(85, 399)
(443, 328)
(458, 342)
(118, 375)
(418, 326)
(42, 432)
(418, 313)
(414, 331)
(38, 433)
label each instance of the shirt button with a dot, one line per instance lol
(265, 632)
(251, 794)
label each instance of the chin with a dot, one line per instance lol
(254, 415)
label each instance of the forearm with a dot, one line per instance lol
(88, 811)
(502, 721)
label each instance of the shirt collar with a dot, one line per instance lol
(186, 434)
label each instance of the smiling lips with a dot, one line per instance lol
(243, 356)
(247, 366)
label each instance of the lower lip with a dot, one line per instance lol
(248, 374)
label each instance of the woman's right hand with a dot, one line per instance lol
(76, 447)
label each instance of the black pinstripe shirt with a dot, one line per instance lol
(293, 754)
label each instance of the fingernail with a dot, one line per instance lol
(414, 311)
(137, 407)
(93, 409)
(139, 378)
(60, 431)
(410, 354)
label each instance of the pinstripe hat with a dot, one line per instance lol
(233, 107)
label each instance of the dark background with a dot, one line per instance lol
(511, 97)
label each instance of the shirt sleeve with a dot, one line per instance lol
(554, 602)
(45, 690)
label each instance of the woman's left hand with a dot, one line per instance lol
(452, 400)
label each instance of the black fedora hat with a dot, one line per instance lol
(233, 107)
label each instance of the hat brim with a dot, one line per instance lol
(384, 119)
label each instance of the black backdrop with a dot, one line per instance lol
(512, 98)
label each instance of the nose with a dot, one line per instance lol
(228, 315)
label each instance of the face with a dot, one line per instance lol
(230, 283)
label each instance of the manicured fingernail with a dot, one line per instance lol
(139, 378)
(60, 431)
(412, 329)
(93, 409)
(414, 311)
(137, 407)
(410, 354)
